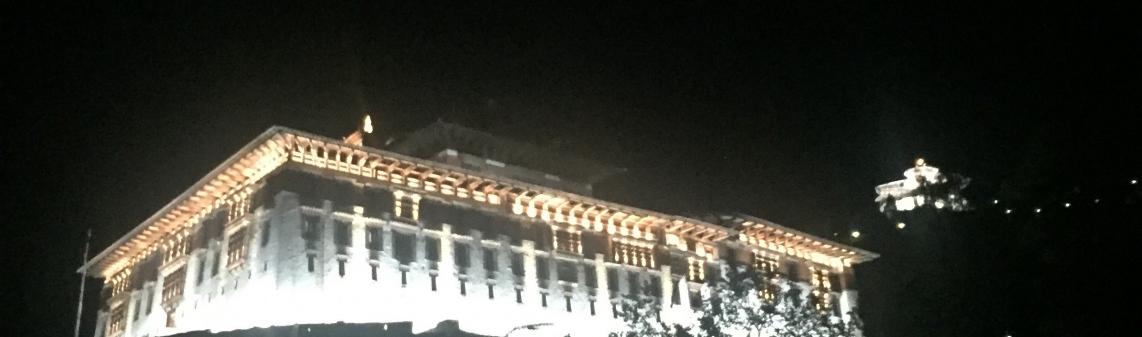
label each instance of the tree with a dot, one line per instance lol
(734, 309)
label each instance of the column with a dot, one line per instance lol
(446, 281)
(603, 292)
(530, 275)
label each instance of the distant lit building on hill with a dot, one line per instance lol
(446, 224)
(923, 185)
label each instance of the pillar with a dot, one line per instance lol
(603, 292)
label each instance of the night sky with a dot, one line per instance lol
(792, 112)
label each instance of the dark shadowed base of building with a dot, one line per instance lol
(398, 329)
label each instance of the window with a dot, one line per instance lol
(568, 271)
(265, 232)
(341, 267)
(697, 270)
(406, 205)
(216, 263)
(490, 260)
(766, 268)
(634, 283)
(178, 247)
(374, 267)
(374, 238)
(119, 282)
(567, 300)
(432, 249)
(312, 228)
(342, 233)
(822, 288)
(118, 321)
(517, 264)
(631, 253)
(518, 295)
(201, 271)
(172, 286)
(138, 308)
(403, 248)
(310, 261)
(613, 279)
(566, 241)
(591, 302)
(542, 271)
(432, 278)
(150, 300)
(236, 248)
(463, 261)
(491, 291)
(592, 278)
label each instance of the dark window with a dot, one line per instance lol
(518, 295)
(201, 271)
(341, 267)
(463, 287)
(432, 249)
(432, 279)
(463, 261)
(634, 284)
(309, 260)
(490, 259)
(265, 233)
(541, 268)
(613, 279)
(695, 299)
(592, 278)
(403, 278)
(568, 271)
(217, 262)
(591, 303)
(403, 248)
(138, 308)
(342, 233)
(150, 300)
(567, 300)
(374, 238)
(374, 267)
(543, 299)
(312, 230)
(517, 264)
(491, 291)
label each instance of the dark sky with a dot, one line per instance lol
(788, 111)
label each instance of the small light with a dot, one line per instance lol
(1007, 211)
(900, 225)
(1134, 181)
(855, 234)
(1038, 210)
(1096, 200)
(995, 202)
(1066, 205)
(919, 161)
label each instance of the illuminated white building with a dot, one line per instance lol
(909, 193)
(448, 224)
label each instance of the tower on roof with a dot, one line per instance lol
(483, 152)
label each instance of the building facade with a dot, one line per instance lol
(297, 228)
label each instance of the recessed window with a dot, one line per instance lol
(236, 248)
